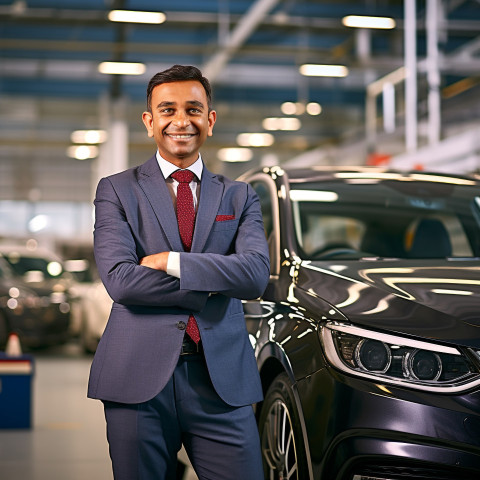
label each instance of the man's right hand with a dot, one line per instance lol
(157, 261)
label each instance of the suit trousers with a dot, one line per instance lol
(221, 441)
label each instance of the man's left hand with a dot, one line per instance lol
(157, 261)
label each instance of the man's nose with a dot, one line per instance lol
(181, 119)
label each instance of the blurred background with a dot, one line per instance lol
(390, 83)
(295, 81)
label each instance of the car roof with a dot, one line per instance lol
(326, 173)
(38, 252)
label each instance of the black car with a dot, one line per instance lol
(22, 311)
(42, 274)
(367, 337)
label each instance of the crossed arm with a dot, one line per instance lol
(157, 261)
(242, 274)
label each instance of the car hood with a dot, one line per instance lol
(46, 287)
(435, 300)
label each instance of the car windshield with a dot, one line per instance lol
(24, 265)
(389, 218)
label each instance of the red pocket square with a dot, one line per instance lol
(222, 218)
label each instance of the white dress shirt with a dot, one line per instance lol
(167, 168)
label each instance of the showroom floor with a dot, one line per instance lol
(67, 441)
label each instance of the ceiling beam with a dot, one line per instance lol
(242, 31)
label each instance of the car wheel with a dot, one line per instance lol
(283, 450)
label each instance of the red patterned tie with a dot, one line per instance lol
(186, 221)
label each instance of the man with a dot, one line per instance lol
(161, 386)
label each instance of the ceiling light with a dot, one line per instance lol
(131, 16)
(38, 223)
(288, 108)
(235, 154)
(293, 108)
(121, 68)
(314, 108)
(285, 123)
(88, 136)
(255, 139)
(82, 152)
(360, 21)
(314, 70)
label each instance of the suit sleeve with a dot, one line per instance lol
(242, 274)
(126, 281)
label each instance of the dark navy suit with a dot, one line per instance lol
(139, 350)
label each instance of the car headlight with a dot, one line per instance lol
(400, 360)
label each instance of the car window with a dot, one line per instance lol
(327, 231)
(24, 264)
(266, 205)
(265, 193)
(358, 220)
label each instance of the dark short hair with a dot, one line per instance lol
(179, 73)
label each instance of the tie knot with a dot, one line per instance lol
(183, 176)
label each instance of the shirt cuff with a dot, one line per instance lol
(173, 264)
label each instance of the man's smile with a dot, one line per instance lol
(180, 136)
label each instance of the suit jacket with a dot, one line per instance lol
(228, 261)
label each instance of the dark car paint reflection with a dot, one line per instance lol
(367, 337)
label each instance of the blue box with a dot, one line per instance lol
(16, 382)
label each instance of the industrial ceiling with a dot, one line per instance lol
(50, 84)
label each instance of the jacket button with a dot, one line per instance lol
(181, 325)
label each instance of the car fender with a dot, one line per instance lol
(272, 360)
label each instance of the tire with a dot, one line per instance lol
(283, 449)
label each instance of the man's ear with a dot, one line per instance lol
(147, 119)
(212, 118)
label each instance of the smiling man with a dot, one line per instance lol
(177, 248)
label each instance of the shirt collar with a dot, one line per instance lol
(168, 168)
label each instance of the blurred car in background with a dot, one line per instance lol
(37, 320)
(42, 272)
(73, 284)
(367, 336)
(92, 306)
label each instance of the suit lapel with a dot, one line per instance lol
(151, 181)
(211, 191)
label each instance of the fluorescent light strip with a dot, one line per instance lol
(281, 123)
(359, 21)
(255, 139)
(131, 16)
(313, 70)
(88, 136)
(82, 152)
(121, 68)
(234, 154)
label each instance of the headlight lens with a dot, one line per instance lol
(372, 355)
(399, 360)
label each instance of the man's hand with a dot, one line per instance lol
(157, 261)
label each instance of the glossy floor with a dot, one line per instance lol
(67, 441)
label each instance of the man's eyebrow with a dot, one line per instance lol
(165, 104)
(196, 103)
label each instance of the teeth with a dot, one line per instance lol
(180, 136)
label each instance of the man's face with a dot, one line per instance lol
(179, 121)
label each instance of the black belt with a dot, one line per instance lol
(189, 347)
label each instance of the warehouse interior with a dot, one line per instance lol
(402, 96)
(253, 52)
